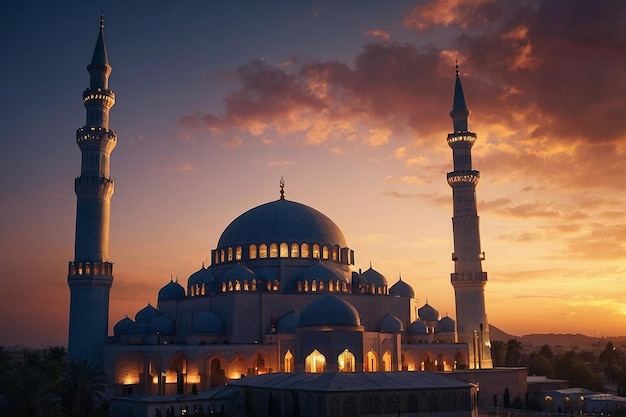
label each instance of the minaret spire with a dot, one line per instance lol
(90, 274)
(468, 278)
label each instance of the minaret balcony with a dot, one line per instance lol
(461, 137)
(103, 95)
(90, 135)
(90, 268)
(468, 277)
(463, 177)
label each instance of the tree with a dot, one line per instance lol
(30, 391)
(610, 357)
(498, 349)
(569, 366)
(85, 386)
(538, 364)
(513, 356)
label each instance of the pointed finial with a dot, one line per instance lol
(400, 276)
(456, 64)
(370, 264)
(101, 19)
(202, 264)
(282, 188)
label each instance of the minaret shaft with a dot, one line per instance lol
(468, 278)
(90, 275)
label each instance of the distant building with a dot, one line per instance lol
(281, 296)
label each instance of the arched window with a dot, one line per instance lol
(314, 285)
(246, 286)
(316, 250)
(335, 254)
(346, 361)
(222, 255)
(273, 250)
(203, 291)
(223, 287)
(289, 361)
(295, 252)
(253, 285)
(284, 250)
(263, 251)
(325, 252)
(321, 286)
(230, 285)
(230, 254)
(275, 286)
(371, 362)
(315, 362)
(330, 286)
(305, 250)
(252, 249)
(238, 253)
(387, 361)
(306, 285)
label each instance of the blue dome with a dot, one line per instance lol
(146, 314)
(446, 324)
(418, 327)
(374, 277)
(428, 313)
(322, 272)
(401, 289)
(124, 327)
(161, 324)
(281, 221)
(288, 323)
(329, 310)
(391, 324)
(172, 291)
(202, 276)
(208, 323)
(239, 272)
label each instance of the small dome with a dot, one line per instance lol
(417, 327)
(162, 324)
(446, 324)
(288, 323)
(124, 327)
(428, 313)
(401, 289)
(146, 314)
(391, 324)
(374, 277)
(208, 323)
(202, 276)
(329, 310)
(322, 272)
(239, 272)
(172, 291)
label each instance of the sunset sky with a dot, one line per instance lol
(349, 101)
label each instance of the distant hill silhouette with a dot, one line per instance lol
(556, 339)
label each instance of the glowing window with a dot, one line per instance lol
(330, 286)
(230, 254)
(316, 250)
(346, 361)
(222, 255)
(237, 285)
(335, 254)
(314, 286)
(289, 361)
(321, 286)
(252, 250)
(371, 362)
(246, 286)
(387, 361)
(275, 287)
(238, 253)
(253, 285)
(305, 250)
(284, 250)
(295, 252)
(325, 252)
(273, 250)
(263, 251)
(315, 362)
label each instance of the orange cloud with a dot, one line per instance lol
(380, 34)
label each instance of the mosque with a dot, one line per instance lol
(281, 294)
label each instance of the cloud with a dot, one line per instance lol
(463, 14)
(380, 34)
(180, 168)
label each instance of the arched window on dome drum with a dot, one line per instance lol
(325, 252)
(253, 285)
(230, 254)
(223, 287)
(306, 285)
(316, 250)
(346, 361)
(387, 361)
(295, 250)
(299, 286)
(222, 257)
(314, 286)
(203, 291)
(284, 250)
(217, 257)
(237, 285)
(263, 251)
(315, 362)
(238, 251)
(275, 286)
(246, 286)
(230, 285)
(289, 361)
(252, 250)
(321, 286)
(305, 250)
(330, 286)
(335, 254)
(273, 250)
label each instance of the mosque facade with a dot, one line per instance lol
(281, 292)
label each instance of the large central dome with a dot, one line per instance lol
(281, 221)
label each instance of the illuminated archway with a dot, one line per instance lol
(346, 361)
(387, 361)
(289, 361)
(371, 362)
(315, 362)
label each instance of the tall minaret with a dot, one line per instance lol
(468, 278)
(91, 274)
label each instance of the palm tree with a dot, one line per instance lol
(31, 392)
(85, 386)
